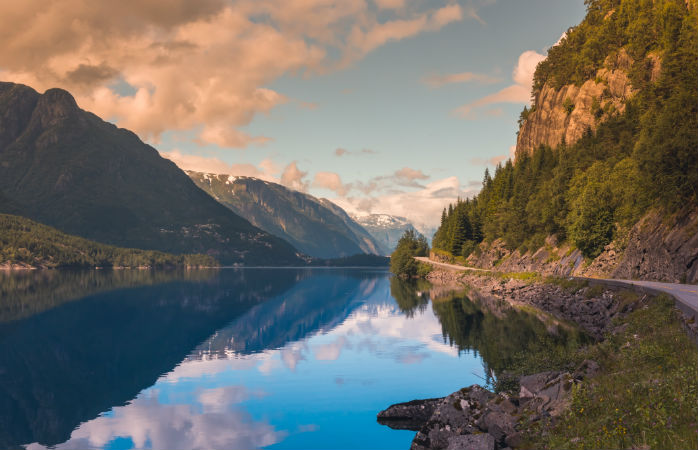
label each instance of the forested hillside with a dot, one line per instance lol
(24, 242)
(642, 157)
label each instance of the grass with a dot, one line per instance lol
(646, 395)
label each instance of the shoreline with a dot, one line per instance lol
(475, 417)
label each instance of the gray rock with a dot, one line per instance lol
(410, 415)
(499, 425)
(587, 369)
(471, 442)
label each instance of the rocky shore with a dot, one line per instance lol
(475, 418)
(592, 307)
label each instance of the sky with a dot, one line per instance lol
(382, 106)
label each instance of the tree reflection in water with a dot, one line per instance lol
(502, 334)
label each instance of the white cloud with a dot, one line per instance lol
(331, 351)
(421, 207)
(174, 426)
(519, 92)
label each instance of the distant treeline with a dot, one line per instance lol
(595, 190)
(23, 241)
(360, 260)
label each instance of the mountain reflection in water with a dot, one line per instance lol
(244, 358)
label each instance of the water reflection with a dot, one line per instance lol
(244, 359)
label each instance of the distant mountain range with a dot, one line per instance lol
(314, 226)
(67, 168)
(384, 228)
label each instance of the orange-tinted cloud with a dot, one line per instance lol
(520, 92)
(199, 65)
(331, 181)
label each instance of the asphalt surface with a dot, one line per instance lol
(686, 295)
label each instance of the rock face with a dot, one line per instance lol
(474, 418)
(654, 251)
(568, 112)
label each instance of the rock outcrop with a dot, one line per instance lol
(567, 113)
(474, 418)
(655, 249)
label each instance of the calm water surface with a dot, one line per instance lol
(237, 358)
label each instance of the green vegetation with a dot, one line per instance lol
(593, 191)
(23, 241)
(646, 395)
(402, 262)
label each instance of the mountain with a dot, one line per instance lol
(605, 178)
(386, 229)
(67, 168)
(316, 227)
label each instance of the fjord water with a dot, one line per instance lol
(236, 358)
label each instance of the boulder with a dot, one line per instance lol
(471, 442)
(410, 415)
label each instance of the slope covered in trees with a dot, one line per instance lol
(593, 191)
(26, 242)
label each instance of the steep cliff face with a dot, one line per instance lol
(657, 249)
(567, 113)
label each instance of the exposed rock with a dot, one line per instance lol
(410, 415)
(550, 122)
(471, 442)
(475, 418)
(657, 249)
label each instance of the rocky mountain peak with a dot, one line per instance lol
(54, 105)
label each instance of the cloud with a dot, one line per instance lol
(437, 81)
(519, 92)
(339, 152)
(362, 40)
(294, 178)
(410, 175)
(390, 4)
(331, 181)
(148, 423)
(293, 354)
(266, 170)
(331, 351)
(422, 207)
(197, 66)
(493, 161)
